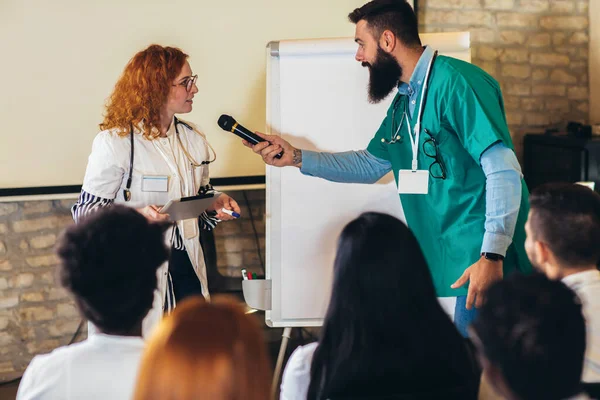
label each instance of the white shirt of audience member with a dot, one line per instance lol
(296, 376)
(101, 367)
(587, 286)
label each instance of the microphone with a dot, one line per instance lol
(229, 124)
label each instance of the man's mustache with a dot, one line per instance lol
(366, 64)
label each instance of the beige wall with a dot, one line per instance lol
(64, 57)
(595, 62)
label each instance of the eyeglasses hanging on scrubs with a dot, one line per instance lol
(437, 169)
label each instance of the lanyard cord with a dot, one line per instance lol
(417, 130)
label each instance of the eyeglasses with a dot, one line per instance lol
(437, 169)
(188, 82)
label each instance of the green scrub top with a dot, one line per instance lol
(464, 113)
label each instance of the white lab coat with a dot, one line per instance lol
(106, 176)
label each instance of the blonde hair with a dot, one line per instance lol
(205, 351)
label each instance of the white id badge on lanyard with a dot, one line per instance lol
(413, 182)
(416, 181)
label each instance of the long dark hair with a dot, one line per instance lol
(384, 331)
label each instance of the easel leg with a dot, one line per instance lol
(284, 341)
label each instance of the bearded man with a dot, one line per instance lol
(446, 139)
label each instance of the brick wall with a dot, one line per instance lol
(536, 49)
(36, 315)
(236, 241)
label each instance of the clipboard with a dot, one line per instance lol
(189, 207)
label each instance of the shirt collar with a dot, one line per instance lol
(581, 278)
(418, 76)
(172, 129)
(103, 338)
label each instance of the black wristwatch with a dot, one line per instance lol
(492, 256)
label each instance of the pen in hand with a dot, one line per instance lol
(229, 212)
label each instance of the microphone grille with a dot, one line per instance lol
(226, 122)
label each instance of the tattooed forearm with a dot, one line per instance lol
(297, 160)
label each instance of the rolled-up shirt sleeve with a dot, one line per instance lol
(347, 167)
(502, 197)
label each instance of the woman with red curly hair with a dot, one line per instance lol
(145, 156)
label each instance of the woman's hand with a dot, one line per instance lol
(152, 213)
(224, 201)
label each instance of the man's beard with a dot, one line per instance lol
(384, 75)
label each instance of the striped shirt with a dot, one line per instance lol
(88, 203)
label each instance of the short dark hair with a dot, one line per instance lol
(566, 217)
(108, 262)
(532, 329)
(394, 15)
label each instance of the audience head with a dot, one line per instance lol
(205, 351)
(531, 338)
(563, 229)
(109, 262)
(383, 313)
(378, 266)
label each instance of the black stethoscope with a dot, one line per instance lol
(395, 136)
(127, 191)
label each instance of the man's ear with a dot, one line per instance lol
(542, 252)
(387, 41)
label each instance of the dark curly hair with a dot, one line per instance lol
(108, 262)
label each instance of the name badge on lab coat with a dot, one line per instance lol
(413, 182)
(190, 228)
(155, 183)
